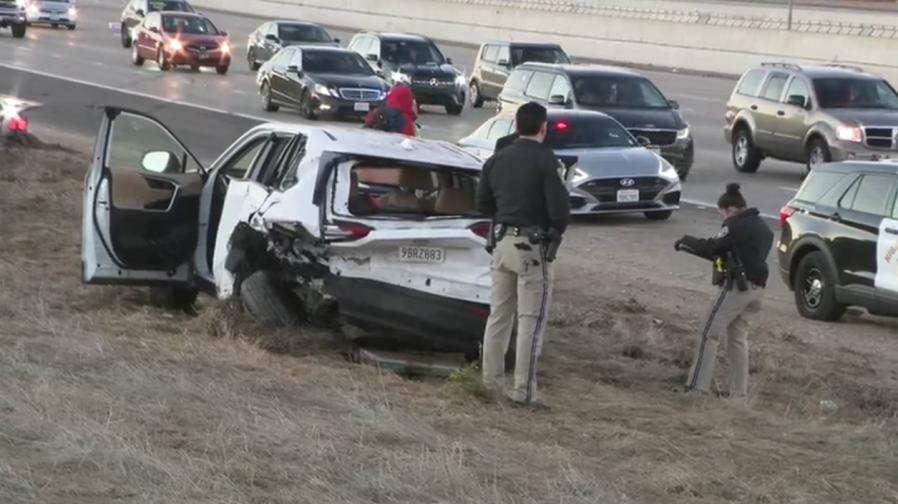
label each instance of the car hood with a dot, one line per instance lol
(644, 118)
(349, 81)
(865, 116)
(615, 161)
(208, 40)
(288, 43)
(428, 71)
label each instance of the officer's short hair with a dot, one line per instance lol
(529, 118)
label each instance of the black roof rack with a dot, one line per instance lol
(791, 66)
(846, 67)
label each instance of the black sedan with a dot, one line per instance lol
(320, 80)
(272, 36)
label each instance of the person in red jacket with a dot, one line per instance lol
(398, 113)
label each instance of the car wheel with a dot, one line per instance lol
(454, 110)
(162, 61)
(265, 302)
(194, 68)
(817, 153)
(18, 30)
(251, 61)
(815, 289)
(746, 158)
(136, 58)
(54, 25)
(265, 94)
(70, 27)
(221, 70)
(474, 94)
(658, 216)
(126, 36)
(306, 108)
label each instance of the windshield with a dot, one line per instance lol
(303, 33)
(192, 25)
(170, 6)
(617, 91)
(412, 52)
(335, 62)
(587, 132)
(848, 92)
(538, 54)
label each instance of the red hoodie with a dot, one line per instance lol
(401, 97)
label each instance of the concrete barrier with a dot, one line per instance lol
(694, 40)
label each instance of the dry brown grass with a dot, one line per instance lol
(105, 398)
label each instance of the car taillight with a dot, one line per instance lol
(18, 124)
(347, 231)
(785, 213)
(481, 229)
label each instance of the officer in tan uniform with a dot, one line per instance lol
(739, 252)
(520, 189)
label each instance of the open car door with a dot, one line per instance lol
(140, 218)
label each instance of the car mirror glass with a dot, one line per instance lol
(371, 57)
(503, 62)
(797, 101)
(139, 12)
(449, 61)
(160, 162)
(674, 104)
(557, 100)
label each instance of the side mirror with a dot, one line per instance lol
(271, 38)
(502, 62)
(380, 64)
(160, 162)
(336, 40)
(154, 29)
(223, 33)
(797, 101)
(371, 57)
(558, 100)
(449, 60)
(140, 12)
(674, 104)
(293, 69)
(643, 141)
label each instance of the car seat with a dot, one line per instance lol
(410, 180)
(451, 200)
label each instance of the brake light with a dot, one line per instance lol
(481, 229)
(18, 124)
(561, 125)
(347, 231)
(785, 213)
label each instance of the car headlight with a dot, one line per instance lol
(460, 80)
(668, 170)
(400, 77)
(849, 134)
(175, 45)
(322, 89)
(579, 176)
(225, 47)
(32, 8)
(683, 133)
(73, 12)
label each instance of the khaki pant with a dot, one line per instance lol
(727, 318)
(522, 284)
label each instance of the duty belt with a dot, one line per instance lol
(506, 230)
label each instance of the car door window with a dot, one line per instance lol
(482, 132)
(560, 87)
(283, 57)
(517, 81)
(238, 166)
(133, 137)
(504, 54)
(798, 87)
(490, 54)
(774, 87)
(539, 85)
(366, 46)
(295, 59)
(499, 129)
(872, 194)
(751, 82)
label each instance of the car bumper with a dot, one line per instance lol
(11, 19)
(680, 154)
(848, 151)
(209, 59)
(600, 196)
(43, 17)
(436, 96)
(410, 317)
(343, 107)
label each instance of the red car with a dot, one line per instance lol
(181, 38)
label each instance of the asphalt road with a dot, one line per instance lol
(93, 56)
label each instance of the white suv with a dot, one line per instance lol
(303, 222)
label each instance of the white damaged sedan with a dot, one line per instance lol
(303, 222)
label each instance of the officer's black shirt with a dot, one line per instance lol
(520, 187)
(748, 236)
(505, 141)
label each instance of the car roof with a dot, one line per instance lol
(559, 113)
(886, 167)
(580, 69)
(518, 43)
(831, 70)
(181, 13)
(295, 22)
(381, 144)
(397, 35)
(321, 48)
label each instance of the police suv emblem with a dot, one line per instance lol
(723, 232)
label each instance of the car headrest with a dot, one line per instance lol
(353, 184)
(398, 199)
(416, 179)
(451, 200)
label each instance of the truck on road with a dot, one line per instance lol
(12, 15)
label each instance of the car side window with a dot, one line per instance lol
(284, 164)
(873, 194)
(518, 80)
(482, 132)
(283, 57)
(238, 166)
(750, 82)
(560, 87)
(774, 87)
(499, 129)
(798, 87)
(133, 137)
(847, 199)
(539, 85)
(295, 58)
(490, 54)
(504, 54)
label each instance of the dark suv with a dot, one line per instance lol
(839, 240)
(496, 60)
(416, 60)
(621, 93)
(810, 115)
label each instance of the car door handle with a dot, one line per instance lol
(836, 217)
(893, 231)
(780, 113)
(754, 107)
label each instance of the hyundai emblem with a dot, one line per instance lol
(627, 182)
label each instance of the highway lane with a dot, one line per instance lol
(92, 54)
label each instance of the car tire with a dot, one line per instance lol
(194, 68)
(252, 62)
(746, 158)
(305, 106)
(813, 305)
(658, 216)
(265, 302)
(18, 30)
(162, 61)
(474, 94)
(136, 58)
(54, 26)
(126, 37)
(454, 110)
(816, 152)
(222, 70)
(265, 94)
(70, 27)
(174, 298)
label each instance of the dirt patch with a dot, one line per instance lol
(107, 398)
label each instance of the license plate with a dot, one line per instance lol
(361, 106)
(422, 255)
(628, 195)
(205, 56)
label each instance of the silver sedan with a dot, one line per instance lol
(609, 170)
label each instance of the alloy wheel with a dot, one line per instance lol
(812, 290)
(740, 150)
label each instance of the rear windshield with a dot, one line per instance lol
(538, 54)
(405, 191)
(192, 25)
(302, 33)
(849, 92)
(617, 91)
(170, 6)
(586, 132)
(336, 62)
